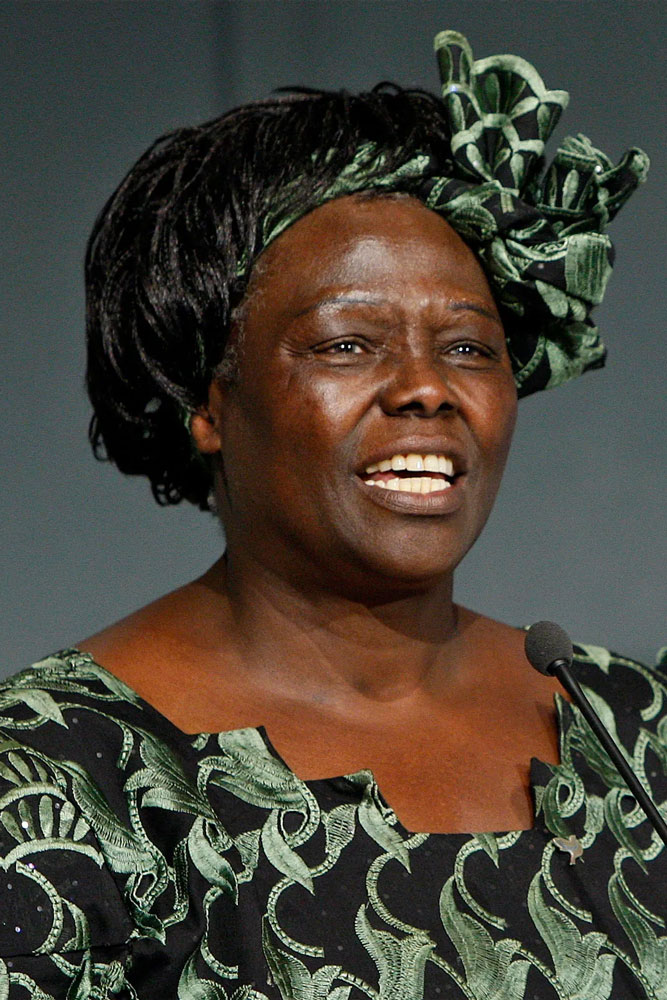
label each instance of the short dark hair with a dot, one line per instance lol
(163, 272)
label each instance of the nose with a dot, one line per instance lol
(419, 385)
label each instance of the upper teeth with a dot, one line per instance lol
(414, 463)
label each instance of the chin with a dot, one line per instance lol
(391, 577)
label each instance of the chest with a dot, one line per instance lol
(442, 767)
(436, 777)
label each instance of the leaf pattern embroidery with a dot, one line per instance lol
(140, 852)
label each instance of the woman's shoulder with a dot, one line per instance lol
(84, 762)
(66, 698)
(619, 675)
(68, 728)
(150, 651)
(72, 731)
(71, 714)
(60, 809)
(629, 696)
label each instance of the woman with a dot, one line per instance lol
(313, 316)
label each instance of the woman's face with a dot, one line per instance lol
(370, 341)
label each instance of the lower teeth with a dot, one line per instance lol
(413, 485)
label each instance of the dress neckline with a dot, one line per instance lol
(363, 779)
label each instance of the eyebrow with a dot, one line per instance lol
(359, 300)
(354, 300)
(472, 307)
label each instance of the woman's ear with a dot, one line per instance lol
(205, 423)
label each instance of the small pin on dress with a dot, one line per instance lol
(571, 845)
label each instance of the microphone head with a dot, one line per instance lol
(546, 642)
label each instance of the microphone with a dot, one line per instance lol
(549, 650)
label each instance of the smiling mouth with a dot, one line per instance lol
(412, 473)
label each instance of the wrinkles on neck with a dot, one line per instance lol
(325, 647)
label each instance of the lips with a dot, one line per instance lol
(415, 481)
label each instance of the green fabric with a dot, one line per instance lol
(540, 234)
(137, 862)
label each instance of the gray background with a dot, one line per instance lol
(578, 532)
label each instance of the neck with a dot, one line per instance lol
(315, 645)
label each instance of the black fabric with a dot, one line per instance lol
(138, 861)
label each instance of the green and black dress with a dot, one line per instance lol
(139, 862)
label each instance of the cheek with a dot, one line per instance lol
(494, 421)
(502, 444)
(326, 416)
(505, 422)
(287, 427)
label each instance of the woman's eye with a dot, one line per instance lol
(468, 349)
(342, 347)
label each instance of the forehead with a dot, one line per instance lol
(391, 244)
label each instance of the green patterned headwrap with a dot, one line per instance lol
(539, 233)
